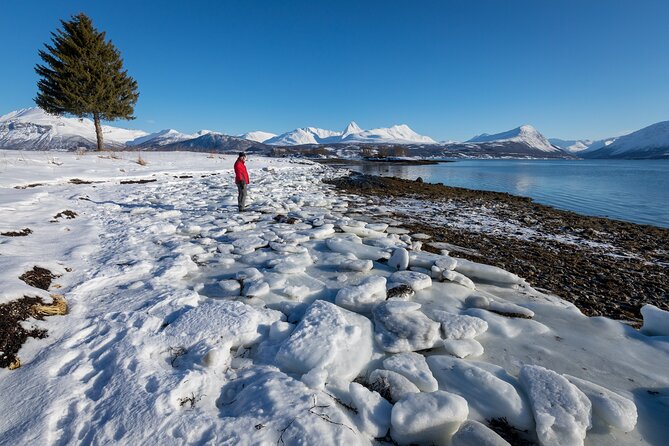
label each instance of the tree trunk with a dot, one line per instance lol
(98, 130)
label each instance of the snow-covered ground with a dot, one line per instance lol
(192, 323)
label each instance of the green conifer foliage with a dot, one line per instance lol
(83, 76)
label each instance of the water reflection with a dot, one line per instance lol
(633, 190)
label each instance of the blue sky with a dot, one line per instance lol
(448, 69)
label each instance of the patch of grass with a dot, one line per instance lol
(13, 333)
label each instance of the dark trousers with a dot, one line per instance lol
(241, 196)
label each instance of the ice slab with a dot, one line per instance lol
(362, 297)
(655, 321)
(561, 411)
(486, 272)
(414, 367)
(328, 338)
(614, 409)
(488, 396)
(427, 418)
(400, 326)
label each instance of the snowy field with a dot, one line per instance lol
(297, 322)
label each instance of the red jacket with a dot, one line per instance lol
(240, 172)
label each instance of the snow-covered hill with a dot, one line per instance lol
(34, 129)
(258, 136)
(525, 134)
(649, 142)
(571, 145)
(397, 134)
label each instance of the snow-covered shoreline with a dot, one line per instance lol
(190, 322)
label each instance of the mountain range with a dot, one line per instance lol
(34, 129)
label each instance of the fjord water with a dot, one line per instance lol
(630, 190)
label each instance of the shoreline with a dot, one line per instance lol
(605, 267)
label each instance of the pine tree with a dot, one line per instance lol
(83, 76)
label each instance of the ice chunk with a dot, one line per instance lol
(264, 396)
(462, 348)
(329, 338)
(248, 274)
(415, 280)
(380, 227)
(616, 410)
(287, 248)
(488, 396)
(357, 265)
(362, 297)
(477, 301)
(510, 309)
(391, 385)
(446, 263)
(414, 368)
(399, 260)
(247, 245)
(222, 321)
(256, 288)
(423, 259)
(363, 252)
(427, 418)
(561, 411)
(230, 287)
(291, 264)
(362, 231)
(280, 330)
(400, 327)
(373, 416)
(473, 433)
(321, 231)
(454, 276)
(655, 321)
(486, 272)
(456, 326)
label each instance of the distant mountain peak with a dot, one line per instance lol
(525, 134)
(351, 129)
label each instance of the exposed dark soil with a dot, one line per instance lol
(78, 181)
(65, 214)
(512, 435)
(28, 186)
(613, 282)
(138, 181)
(12, 332)
(38, 277)
(22, 233)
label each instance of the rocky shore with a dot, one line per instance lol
(605, 267)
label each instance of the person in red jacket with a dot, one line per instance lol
(242, 179)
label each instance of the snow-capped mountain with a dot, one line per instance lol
(160, 138)
(258, 136)
(525, 134)
(397, 134)
(34, 129)
(571, 145)
(216, 142)
(305, 135)
(649, 142)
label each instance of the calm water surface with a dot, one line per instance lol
(631, 190)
